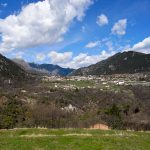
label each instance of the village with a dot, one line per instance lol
(102, 81)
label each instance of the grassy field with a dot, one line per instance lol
(73, 139)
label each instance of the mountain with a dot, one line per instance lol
(41, 69)
(120, 63)
(10, 70)
(52, 69)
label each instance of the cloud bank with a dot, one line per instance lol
(143, 46)
(66, 59)
(44, 22)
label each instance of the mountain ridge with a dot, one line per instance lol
(125, 62)
(47, 69)
(52, 69)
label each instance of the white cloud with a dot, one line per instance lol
(143, 46)
(83, 59)
(93, 44)
(119, 27)
(102, 20)
(40, 57)
(58, 58)
(43, 22)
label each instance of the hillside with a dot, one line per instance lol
(10, 70)
(120, 63)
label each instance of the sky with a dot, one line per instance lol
(73, 33)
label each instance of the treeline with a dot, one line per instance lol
(14, 113)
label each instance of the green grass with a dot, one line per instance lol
(78, 84)
(73, 139)
(82, 83)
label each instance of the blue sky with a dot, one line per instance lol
(73, 33)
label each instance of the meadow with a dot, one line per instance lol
(73, 139)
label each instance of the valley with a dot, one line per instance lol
(31, 99)
(119, 101)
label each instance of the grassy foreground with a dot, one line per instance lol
(73, 139)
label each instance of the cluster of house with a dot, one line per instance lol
(127, 77)
(105, 80)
